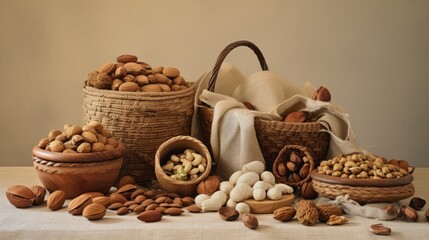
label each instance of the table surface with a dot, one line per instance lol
(41, 223)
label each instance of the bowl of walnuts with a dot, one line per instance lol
(78, 159)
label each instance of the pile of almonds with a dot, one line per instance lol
(188, 165)
(364, 166)
(92, 137)
(129, 74)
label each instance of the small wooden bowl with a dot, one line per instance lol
(177, 145)
(77, 173)
(363, 190)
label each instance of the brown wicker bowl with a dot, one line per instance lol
(177, 145)
(283, 157)
(363, 190)
(77, 173)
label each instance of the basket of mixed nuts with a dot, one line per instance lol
(272, 135)
(364, 177)
(181, 163)
(141, 105)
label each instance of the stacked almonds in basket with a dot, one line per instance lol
(129, 74)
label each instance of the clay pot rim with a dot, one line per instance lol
(80, 157)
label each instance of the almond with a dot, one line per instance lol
(158, 69)
(179, 80)
(187, 201)
(171, 72)
(98, 147)
(141, 80)
(322, 94)
(77, 205)
(150, 216)
(20, 196)
(194, 209)
(56, 200)
(127, 190)
(126, 58)
(116, 84)
(297, 117)
(134, 68)
(151, 88)
(125, 179)
(173, 211)
(102, 200)
(115, 206)
(89, 136)
(250, 221)
(129, 87)
(161, 209)
(129, 78)
(123, 211)
(94, 211)
(284, 214)
(165, 87)
(120, 72)
(139, 198)
(107, 68)
(40, 193)
(136, 193)
(161, 78)
(152, 206)
(117, 198)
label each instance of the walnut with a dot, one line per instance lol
(307, 213)
(326, 211)
(337, 220)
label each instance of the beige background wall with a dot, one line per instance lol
(372, 55)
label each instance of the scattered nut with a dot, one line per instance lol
(379, 229)
(337, 220)
(307, 213)
(284, 214)
(417, 203)
(250, 221)
(228, 214)
(20, 196)
(56, 200)
(94, 211)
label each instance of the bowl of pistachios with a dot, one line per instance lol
(181, 163)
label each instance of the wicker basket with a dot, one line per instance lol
(177, 145)
(272, 135)
(142, 121)
(283, 157)
(364, 190)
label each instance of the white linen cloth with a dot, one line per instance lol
(233, 138)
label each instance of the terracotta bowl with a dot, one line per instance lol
(177, 145)
(77, 173)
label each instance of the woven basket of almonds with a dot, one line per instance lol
(364, 177)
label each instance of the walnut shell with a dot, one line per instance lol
(307, 213)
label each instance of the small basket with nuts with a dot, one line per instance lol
(293, 165)
(181, 163)
(364, 177)
(78, 159)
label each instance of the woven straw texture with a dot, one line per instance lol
(283, 157)
(142, 121)
(364, 195)
(272, 135)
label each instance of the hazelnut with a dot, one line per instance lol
(250, 221)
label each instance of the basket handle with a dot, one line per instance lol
(226, 51)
